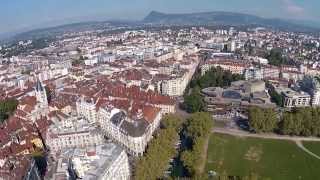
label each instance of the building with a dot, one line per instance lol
(103, 162)
(91, 62)
(34, 106)
(315, 98)
(41, 95)
(312, 86)
(232, 46)
(253, 73)
(270, 72)
(233, 66)
(293, 98)
(132, 127)
(19, 167)
(87, 108)
(174, 86)
(72, 131)
(32, 172)
(252, 86)
(107, 58)
(174, 80)
(292, 75)
(132, 133)
(240, 95)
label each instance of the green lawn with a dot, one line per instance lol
(268, 159)
(313, 147)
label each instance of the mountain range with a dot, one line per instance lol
(217, 18)
(227, 19)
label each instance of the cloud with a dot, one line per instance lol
(292, 8)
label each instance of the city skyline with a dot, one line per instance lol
(215, 94)
(26, 15)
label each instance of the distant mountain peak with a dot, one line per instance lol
(156, 13)
(153, 15)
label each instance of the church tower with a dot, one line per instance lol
(41, 94)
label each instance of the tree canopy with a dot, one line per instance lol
(275, 97)
(215, 77)
(276, 58)
(193, 102)
(301, 122)
(7, 107)
(199, 124)
(160, 150)
(262, 119)
(198, 128)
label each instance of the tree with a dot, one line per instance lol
(275, 97)
(276, 58)
(79, 61)
(262, 120)
(270, 120)
(189, 159)
(172, 121)
(49, 94)
(7, 108)
(198, 128)
(160, 150)
(255, 118)
(216, 77)
(194, 101)
(199, 124)
(301, 122)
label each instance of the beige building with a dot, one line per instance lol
(295, 99)
(232, 66)
(87, 108)
(107, 161)
(69, 132)
(133, 134)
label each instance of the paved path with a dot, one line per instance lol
(300, 145)
(240, 133)
(296, 139)
(204, 156)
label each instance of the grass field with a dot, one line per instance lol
(313, 147)
(270, 159)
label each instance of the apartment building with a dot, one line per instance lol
(104, 162)
(133, 133)
(72, 131)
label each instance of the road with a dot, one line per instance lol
(240, 133)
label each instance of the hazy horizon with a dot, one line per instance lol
(19, 16)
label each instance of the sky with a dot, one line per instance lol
(22, 15)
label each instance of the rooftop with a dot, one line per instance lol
(65, 125)
(89, 163)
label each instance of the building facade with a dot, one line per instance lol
(72, 132)
(253, 73)
(132, 134)
(295, 99)
(103, 162)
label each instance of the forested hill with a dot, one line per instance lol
(225, 19)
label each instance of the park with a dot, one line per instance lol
(257, 158)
